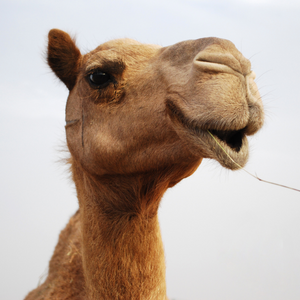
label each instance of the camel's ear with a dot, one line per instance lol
(63, 57)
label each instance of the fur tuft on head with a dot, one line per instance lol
(63, 57)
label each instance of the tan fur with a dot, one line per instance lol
(132, 139)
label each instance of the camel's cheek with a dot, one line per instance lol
(107, 153)
(123, 142)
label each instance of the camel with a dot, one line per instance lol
(138, 119)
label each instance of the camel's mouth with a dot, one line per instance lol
(224, 143)
(228, 147)
(233, 138)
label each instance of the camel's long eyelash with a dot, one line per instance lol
(116, 66)
(95, 69)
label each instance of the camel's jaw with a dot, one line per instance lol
(228, 146)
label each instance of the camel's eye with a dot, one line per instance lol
(99, 79)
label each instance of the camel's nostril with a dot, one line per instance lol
(208, 66)
(213, 59)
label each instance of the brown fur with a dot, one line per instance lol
(130, 140)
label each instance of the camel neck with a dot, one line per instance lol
(123, 255)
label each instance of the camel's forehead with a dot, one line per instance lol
(120, 50)
(126, 46)
(126, 42)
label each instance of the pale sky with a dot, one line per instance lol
(226, 235)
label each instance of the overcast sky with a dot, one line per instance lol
(226, 235)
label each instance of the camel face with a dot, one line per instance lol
(136, 108)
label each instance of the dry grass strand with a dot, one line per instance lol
(240, 167)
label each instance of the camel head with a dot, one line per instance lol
(135, 108)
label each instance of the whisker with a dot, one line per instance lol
(254, 55)
(257, 78)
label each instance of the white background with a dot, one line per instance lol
(226, 235)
